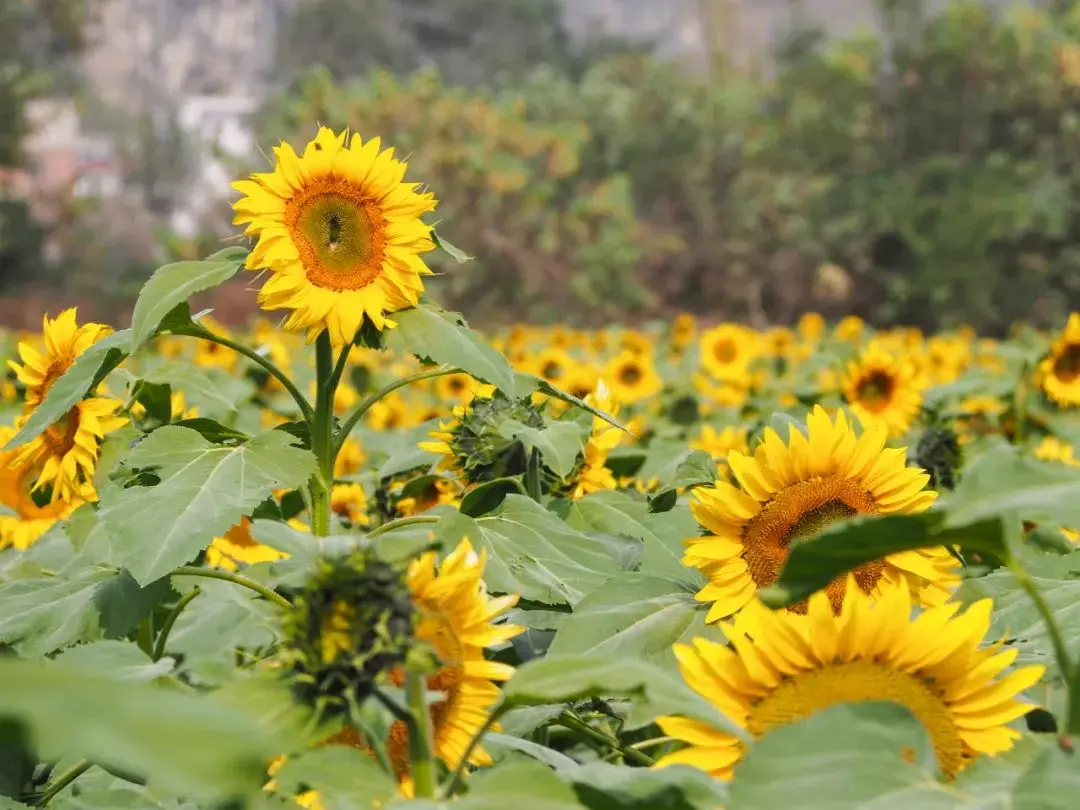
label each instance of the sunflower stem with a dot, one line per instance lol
(327, 376)
(237, 579)
(421, 739)
(170, 620)
(584, 730)
(1061, 651)
(62, 781)
(354, 418)
(390, 525)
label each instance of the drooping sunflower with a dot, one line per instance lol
(726, 352)
(31, 514)
(632, 376)
(785, 667)
(64, 340)
(791, 491)
(881, 387)
(340, 232)
(1059, 372)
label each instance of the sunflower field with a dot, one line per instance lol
(359, 555)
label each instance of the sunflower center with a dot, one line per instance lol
(340, 235)
(875, 390)
(60, 437)
(796, 514)
(1067, 363)
(630, 375)
(53, 373)
(725, 351)
(857, 682)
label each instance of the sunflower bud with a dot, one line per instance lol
(938, 452)
(481, 443)
(353, 622)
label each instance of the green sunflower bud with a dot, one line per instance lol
(353, 622)
(939, 453)
(482, 440)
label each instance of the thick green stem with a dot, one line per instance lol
(237, 579)
(170, 620)
(568, 720)
(322, 434)
(258, 359)
(361, 409)
(62, 781)
(389, 526)
(421, 739)
(532, 476)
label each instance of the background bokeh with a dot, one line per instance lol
(909, 162)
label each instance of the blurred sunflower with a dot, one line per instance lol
(632, 377)
(64, 341)
(31, 513)
(882, 389)
(1059, 372)
(594, 474)
(783, 667)
(789, 492)
(340, 232)
(1051, 448)
(349, 502)
(238, 547)
(726, 352)
(553, 365)
(719, 443)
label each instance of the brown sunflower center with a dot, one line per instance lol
(1067, 363)
(630, 374)
(796, 514)
(875, 390)
(340, 234)
(725, 351)
(60, 437)
(53, 373)
(856, 682)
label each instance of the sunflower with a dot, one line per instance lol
(25, 515)
(881, 388)
(794, 666)
(811, 327)
(726, 352)
(64, 341)
(238, 547)
(1060, 370)
(553, 365)
(339, 231)
(350, 460)
(1052, 448)
(605, 437)
(66, 453)
(213, 355)
(719, 443)
(349, 502)
(790, 492)
(849, 329)
(632, 376)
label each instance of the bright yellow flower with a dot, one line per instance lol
(884, 390)
(632, 377)
(238, 547)
(340, 232)
(726, 352)
(595, 475)
(1060, 371)
(64, 341)
(32, 516)
(785, 667)
(1052, 448)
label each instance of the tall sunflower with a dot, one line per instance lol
(880, 387)
(1059, 372)
(789, 492)
(64, 340)
(784, 667)
(340, 232)
(726, 352)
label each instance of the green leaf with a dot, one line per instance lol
(184, 744)
(89, 368)
(663, 534)
(438, 336)
(695, 470)
(497, 744)
(633, 615)
(121, 660)
(345, 778)
(174, 284)
(212, 431)
(560, 443)
(569, 678)
(600, 786)
(522, 785)
(1001, 481)
(525, 384)
(486, 497)
(456, 254)
(533, 553)
(205, 489)
(1051, 782)
(43, 614)
(847, 756)
(211, 390)
(842, 547)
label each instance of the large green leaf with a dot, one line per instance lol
(614, 512)
(600, 786)
(174, 284)
(847, 756)
(184, 744)
(89, 368)
(212, 391)
(559, 443)
(522, 785)
(46, 613)
(568, 678)
(633, 615)
(346, 779)
(533, 553)
(121, 660)
(205, 489)
(1002, 481)
(439, 336)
